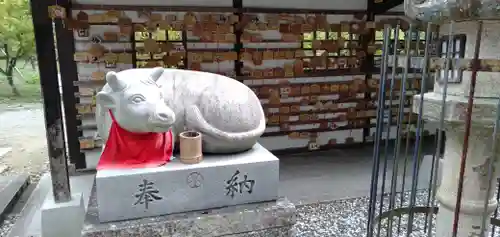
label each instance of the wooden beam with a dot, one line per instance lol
(47, 66)
(69, 74)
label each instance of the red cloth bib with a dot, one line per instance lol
(128, 150)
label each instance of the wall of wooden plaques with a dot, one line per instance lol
(101, 45)
(119, 40)
(306, 70)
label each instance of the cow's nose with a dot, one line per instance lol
(163, 116)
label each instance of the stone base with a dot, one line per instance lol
(469, 223)
(218, 181)
(272, 218)
(63, 219)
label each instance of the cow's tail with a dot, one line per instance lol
(206, 128)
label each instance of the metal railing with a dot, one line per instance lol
(403, 193)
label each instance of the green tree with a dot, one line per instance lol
(16, 37)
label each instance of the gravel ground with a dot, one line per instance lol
(22, 128)
(348, 218)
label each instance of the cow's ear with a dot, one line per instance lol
(156, 73)
(105, 99)
(113, 82)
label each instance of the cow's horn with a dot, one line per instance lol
(155, 75)
(114, 82)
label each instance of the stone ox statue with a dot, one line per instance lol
(225, 111)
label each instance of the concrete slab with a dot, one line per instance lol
(228, 221)
(218, 181)
(11, 188)
(29, 223)
(63, 219)
(343, 173)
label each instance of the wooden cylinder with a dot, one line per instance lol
(190, 147)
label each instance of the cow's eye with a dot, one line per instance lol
(137, 99)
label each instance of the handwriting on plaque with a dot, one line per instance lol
(237, 185)
(147, 194)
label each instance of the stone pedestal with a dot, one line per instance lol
(218, 181)
(475, 179)
(475, 182)
(269, 219)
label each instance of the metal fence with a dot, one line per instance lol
(408, 179)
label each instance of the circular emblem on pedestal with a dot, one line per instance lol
(194, 180)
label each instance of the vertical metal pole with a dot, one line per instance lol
(415, 160)
(403, 181)
(440, 143)
(401, 112)
(409, 126)
(44, 39)
(379, 126)
(465, 148)
(435, 159)
(389, 123)
(395, 167)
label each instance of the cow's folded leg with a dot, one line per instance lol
(192, 117)
(212, 142)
